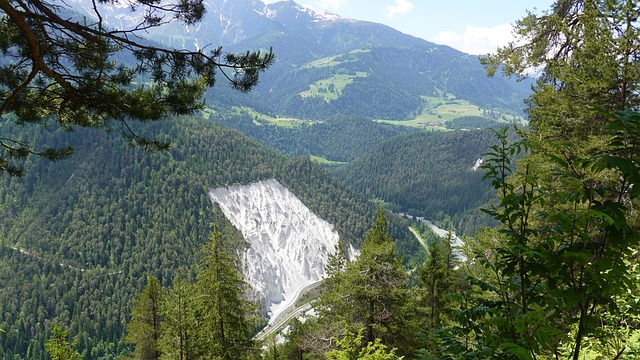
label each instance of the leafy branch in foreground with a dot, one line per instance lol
(57, 68)
(560, 277)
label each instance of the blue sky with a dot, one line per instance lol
(472, 26)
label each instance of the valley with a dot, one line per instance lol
(439, 112)
(163, 198)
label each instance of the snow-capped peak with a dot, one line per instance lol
(271, 10)
(322, 15)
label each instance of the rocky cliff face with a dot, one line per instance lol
(289, 245)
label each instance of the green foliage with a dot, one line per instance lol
(568, 212)
(135, 215)
(182, 336)
(439, 290)
(351, 347)
(436, 281)
(561, 268)
(292, 347)
(226, 322)
(388, 91)
(370, 292)
(426, 174)
(206, 319)
(144, 331)
(65, 71)
(59, 348)
(561, 42)
(344, 138)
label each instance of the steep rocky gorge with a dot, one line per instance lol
(289, 244)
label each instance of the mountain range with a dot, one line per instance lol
(327, 65)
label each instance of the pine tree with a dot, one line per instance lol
(144, 330)
(182, 338)
(370, 293)
(380, 281)
(65, 71)
(567, 213)
(436, 280)
(227, 314)
(59, 347)
(587, 54)
(440, 289)
(337, 261)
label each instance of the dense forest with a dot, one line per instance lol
(339, 139)
(428, 174)
(98, 232)
(389, 162)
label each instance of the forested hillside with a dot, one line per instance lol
(80, 237)
(428, 174)
(370, 82)
(340, 138)
(557, 277)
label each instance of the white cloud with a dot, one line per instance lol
(477, 40)
(400, 7)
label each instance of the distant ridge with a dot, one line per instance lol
(385, 74)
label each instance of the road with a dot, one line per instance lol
(420, 239)
(30, 254)
(282, 322)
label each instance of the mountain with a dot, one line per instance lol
(429, 174)
(79, 237)
(327, 65)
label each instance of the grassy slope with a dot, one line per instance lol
(439, 110)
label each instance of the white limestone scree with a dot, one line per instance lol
(289, 244)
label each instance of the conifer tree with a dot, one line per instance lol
(65, 72)
(227, 314)
(182, 338)
(144, 329)
(436, 279)
(567, 212)
(439, 291)
(59, 347)
(370, 293)
(559, 276)
(587, 54)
